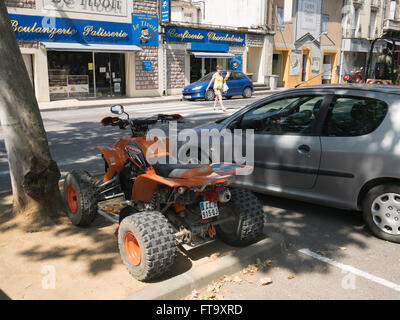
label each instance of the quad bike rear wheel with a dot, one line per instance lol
(248, 223)
(80, 198)
(147, 245)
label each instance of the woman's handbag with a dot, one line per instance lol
(226, 88)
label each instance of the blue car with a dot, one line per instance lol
(238, 83)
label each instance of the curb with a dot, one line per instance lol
(102, 105)
(107, 105)
(182, 285)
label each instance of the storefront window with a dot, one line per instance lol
(70, 75)
(85, 75)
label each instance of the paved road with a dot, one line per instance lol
(360, 266)
(73, 134)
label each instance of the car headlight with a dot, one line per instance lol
(197, 88)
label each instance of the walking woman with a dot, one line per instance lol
(218, 80)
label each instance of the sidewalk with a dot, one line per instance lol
(73, 104)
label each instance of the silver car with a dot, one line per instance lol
(332, 145)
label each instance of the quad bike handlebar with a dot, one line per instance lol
(139, 126)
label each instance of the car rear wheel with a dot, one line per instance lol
(381, 211)
(209, 95)
(247, 92)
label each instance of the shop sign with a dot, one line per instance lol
(327, 72)
(308, 17)
(106, 7)
(147, 65)
(235, 63)
(165, 11)
(145, 29)
(39, 28)
(315, 66)
(295, 63)
(205, 36)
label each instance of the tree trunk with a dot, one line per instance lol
(34, 175)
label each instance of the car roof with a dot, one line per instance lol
(362, 87)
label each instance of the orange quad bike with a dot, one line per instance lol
(161, 206)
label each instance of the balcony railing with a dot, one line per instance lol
(391, 26)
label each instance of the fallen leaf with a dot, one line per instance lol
(208, 296)
(291, 277)
(215, 255)
(195, 294)
(267, 263)
(265, 281)
(251, 269)
(343, 248)
(237, 279)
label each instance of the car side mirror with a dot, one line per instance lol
(234, 125)
(117, 109)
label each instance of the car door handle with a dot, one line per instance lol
(304, 149)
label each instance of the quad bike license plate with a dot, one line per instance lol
(209, 209)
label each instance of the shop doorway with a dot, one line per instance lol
(109, 74)
(199, 67)
(329, 62)
(304, 67)
(254, 62)
(277, 67)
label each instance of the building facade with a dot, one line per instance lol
(307, 41)
(89, 48)
(362, 21)
(203, 34)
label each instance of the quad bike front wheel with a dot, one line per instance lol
(248, 223)
(80, 198)
(147, 245)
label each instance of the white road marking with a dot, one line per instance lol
(352, 270)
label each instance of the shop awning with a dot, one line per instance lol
(86, 47)
(213, 55)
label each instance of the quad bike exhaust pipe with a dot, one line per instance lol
(224, 196)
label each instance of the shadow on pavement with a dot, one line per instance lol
(4, 296)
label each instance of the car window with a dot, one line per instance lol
(206, 77)
(237, 76)
(354, 116)
(290, 115)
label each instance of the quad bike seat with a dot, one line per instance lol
(183, 171)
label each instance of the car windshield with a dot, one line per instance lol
(208, 77)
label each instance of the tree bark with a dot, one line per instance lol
(34, 174)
